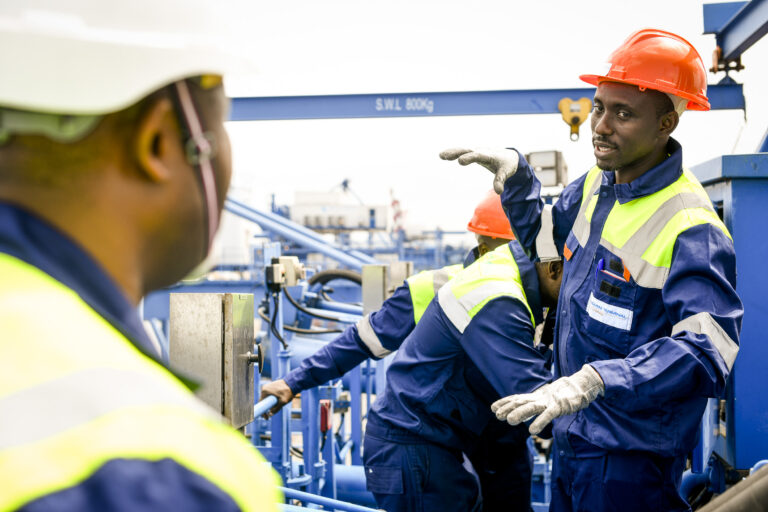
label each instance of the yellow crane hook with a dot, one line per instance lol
(574, 113)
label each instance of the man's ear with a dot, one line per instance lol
(154, 136)
(555, 269)
(668, 122)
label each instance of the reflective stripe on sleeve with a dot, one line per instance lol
(82, 397)
(703, 323)
(369, 337)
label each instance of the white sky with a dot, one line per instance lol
(346, 47)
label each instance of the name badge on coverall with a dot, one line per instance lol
(621, 318)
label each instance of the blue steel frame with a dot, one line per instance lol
(736, 25)
(738, 186)
(424, 104)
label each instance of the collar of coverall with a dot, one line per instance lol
(653, 180)
(529, 278)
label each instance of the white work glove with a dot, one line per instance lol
(564, 396)
(501, 162)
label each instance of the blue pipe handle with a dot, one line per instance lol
(263, 406)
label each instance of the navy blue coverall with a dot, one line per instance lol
(500, 456)
(661, 348)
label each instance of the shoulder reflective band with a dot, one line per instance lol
(442, 276)
(588, 201)
(461, 310)
(703, 323)
(99, 391)
(369, 337)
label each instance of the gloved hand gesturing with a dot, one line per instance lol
(501, 162)
(564, 396)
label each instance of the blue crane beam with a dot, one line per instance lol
(425, 104)
(736, 32)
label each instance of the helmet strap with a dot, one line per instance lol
(200, 149)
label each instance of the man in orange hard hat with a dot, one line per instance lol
(498, 452)
(648, 317)
(490, 225)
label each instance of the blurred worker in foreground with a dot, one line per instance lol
(114, 166)
(649, 319)
(455, 353)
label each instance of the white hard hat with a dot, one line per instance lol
(91, 57)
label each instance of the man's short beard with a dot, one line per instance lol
(606, 169)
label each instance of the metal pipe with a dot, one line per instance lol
(288, 223)
(292, 508)
(691, 480)
(321, 500)
(350, 485)
(341, 307)
(293, 235)
(311, 438)
(344, 450)
(263, 406)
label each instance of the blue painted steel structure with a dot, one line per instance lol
(423, 104)
(736, 25)
(738, 186)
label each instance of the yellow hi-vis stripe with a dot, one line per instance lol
(36, 352)
(152, 433)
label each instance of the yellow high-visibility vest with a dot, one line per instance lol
(643, 231)
(494, 275)
(75, 394)
(425, 285)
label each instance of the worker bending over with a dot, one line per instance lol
(114, 166)
(648, 319)
(499, 456)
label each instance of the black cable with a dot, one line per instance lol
(308, 312)
(272, 322)
(325, 296)
(299, 330)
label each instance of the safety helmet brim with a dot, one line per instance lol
(694, 102)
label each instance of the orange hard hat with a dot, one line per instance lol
(489, 218)
(663, 61)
